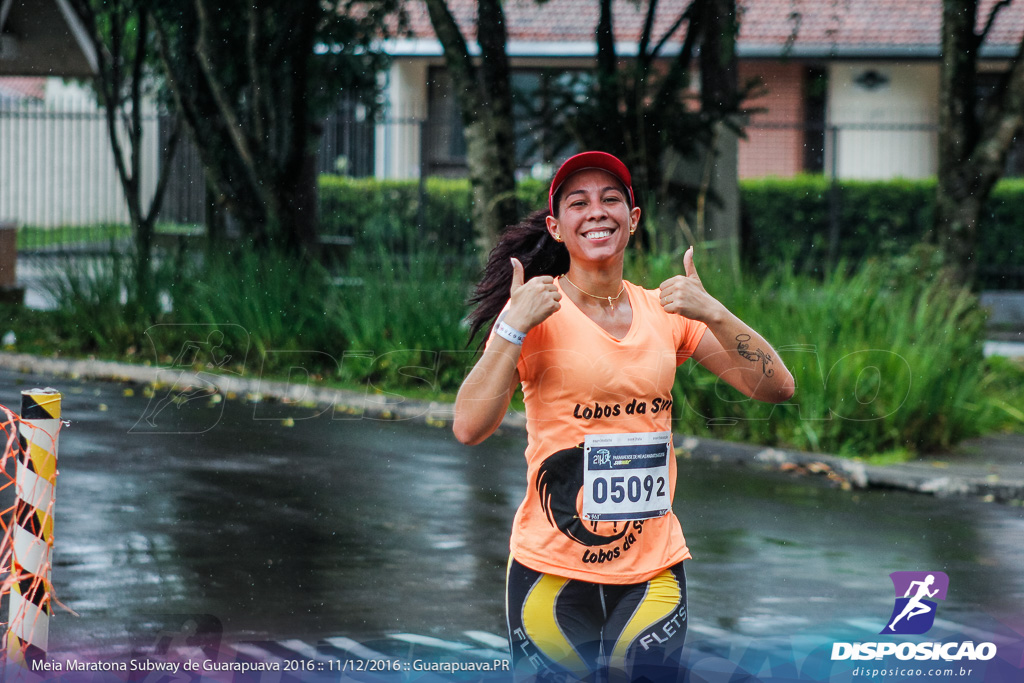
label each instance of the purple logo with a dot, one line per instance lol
(916, 593)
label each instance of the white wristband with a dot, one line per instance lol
(509, 333)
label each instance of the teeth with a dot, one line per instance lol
(599, 234)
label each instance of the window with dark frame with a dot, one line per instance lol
(542, 99)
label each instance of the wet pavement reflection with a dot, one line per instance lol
(291, 522)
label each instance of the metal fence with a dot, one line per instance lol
(346, 148)
(59, 183)
(56, 166)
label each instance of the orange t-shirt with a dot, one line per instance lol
(578, 379)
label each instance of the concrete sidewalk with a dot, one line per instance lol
(990, 467)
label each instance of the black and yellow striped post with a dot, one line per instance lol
(32, 532)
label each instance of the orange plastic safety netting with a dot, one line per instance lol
(29, 466)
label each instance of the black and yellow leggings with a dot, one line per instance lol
(567, 630)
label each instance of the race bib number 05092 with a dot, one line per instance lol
(625, 476)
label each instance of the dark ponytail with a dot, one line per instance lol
(531, 243)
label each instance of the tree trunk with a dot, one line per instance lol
(972, 149)
(957, 211)
(721, 214)
(299, 213)
(719, 97)
(493, 187)
(120, 34)
(494, 81)
(484, 95)
(956, 218)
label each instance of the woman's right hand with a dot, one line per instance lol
(530, 303)
(485, 394)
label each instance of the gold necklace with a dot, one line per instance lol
(611, 299)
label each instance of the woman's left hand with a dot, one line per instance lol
(686, 296)
(732, 350)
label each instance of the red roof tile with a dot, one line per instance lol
(22, 87)
(821, 26)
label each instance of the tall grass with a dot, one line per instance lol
(97, 306)
(279, 301)
(391, 322)
(403, 318)
(886, 356)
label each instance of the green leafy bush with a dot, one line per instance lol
(789, 220)
(887, 357)
(1001, 239)
(785, 220)
(388, 212)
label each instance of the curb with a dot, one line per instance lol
(919, 477)
(367, 404)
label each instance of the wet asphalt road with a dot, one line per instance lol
(281, 522)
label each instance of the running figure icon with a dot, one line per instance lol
(917, 595)
(915, 607)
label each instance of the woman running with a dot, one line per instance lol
(595, 585)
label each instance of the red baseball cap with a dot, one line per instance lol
(584, 160)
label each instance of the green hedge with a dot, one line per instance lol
(784, 219)
(1001, 240)
(388, 211)
(789, 218)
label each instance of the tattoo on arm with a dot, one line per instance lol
(743, 348)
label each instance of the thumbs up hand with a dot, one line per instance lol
(531, 302)
(686, 296)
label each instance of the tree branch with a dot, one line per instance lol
(186, 109)
(683, 16)
(251, 38)
(456, 54)
(109, 81)
(645, 37)
(116, 53)
(135, 129)
(992, 19)
(678, 72)
(1003, 121)
(234, 125)
(165, 171)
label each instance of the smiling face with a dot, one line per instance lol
(594, 218)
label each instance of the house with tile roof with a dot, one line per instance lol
(849, 87)
(43, 38)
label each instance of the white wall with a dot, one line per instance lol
(56, 167)
(908, 99)
(398, 142)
